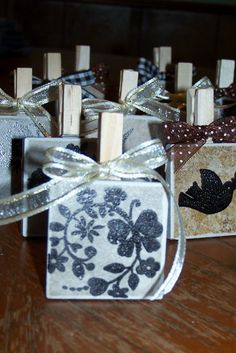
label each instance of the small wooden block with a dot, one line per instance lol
(162, 57)
(22, 81)
(52, 66)
(183, 76)
(204, 106)
(82, 57)
(70, 99)
(128, 81)
(225, 73)
(110, 136)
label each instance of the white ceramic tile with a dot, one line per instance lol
(108, 242)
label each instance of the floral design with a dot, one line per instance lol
(148, 267)
(134, 239)
(56, 261)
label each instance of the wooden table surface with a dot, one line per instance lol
(198, 316)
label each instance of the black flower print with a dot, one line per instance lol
(114, 196)
(148, 267)
(56, 261)
(86, 229)
(129, 235)
(133, 238)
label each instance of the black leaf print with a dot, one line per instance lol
(114, 268)
(64, 211)
(54, 241)
(90, 251)
(133, 281)
(56, 227)
(75, 247)
(97, 286)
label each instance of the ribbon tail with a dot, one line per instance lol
(162, 111)
(43, 94)
(41, 118)
(36, 200)
(178, 262)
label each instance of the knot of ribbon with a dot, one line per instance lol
(146, 98)
(136, 163)
(221, 130)
(71, 171)
(31, 104)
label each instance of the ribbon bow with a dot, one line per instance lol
(147, 70)
(83, 78)
(71, 171)
(221, 130)
(31, 104)
(144, 98)
(194, 137)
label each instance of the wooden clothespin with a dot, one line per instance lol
(69, 109)
(22, 81)
(82, 57)
(128, 81)
(51, 66)
(162, 57)
(200, 106)
(110, 134)
(225, 73)
(183, 76)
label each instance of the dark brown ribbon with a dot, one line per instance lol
(228, 92)
(187, 139)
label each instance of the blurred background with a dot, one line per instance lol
(118, 31)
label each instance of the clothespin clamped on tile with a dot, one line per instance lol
(128, 81)
(70, 98)
(225, 73)
(51, 66)
(200, 106)
(162, 57)
(22, 81)
(183, 76)
(110, 135)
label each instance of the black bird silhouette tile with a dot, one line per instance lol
(213, 196)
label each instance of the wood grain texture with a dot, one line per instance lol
(198, 316)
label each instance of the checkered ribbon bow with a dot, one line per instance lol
(148, 70)
(82, 78)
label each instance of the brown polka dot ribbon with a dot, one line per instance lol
(228, 92)
(187, 139)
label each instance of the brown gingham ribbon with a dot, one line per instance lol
(187, 139)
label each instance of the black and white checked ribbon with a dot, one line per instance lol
(82, 78)
(147, 70)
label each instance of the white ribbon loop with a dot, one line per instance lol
(144, 98)
(31, 104)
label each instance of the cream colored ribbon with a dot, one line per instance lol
(145, 98)
(71, 171)
(31, 104)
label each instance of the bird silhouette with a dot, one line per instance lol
(212, 197)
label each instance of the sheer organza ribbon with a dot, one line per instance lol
(147, 98)
(71, 171)
(31, 104)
